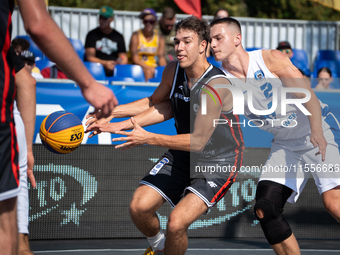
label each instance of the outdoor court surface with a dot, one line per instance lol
(197, 246)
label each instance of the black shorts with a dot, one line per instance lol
(171, 178)
(9, 169)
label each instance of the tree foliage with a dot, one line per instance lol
(290, 9)
(273, 9)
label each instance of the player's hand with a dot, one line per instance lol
(91, 119)
(138, 136)
(30, 165)
(318, 140)
(102, 98)
(104, 127)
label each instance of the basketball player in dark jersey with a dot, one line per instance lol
(55, 45)
(198, 143)
(9, 170)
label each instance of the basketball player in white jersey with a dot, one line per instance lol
(299, 141)
(24, 126)
(26, 161)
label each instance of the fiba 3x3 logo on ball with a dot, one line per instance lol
(61, 132)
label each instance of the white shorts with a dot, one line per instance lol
(22, 200)
(292, 162)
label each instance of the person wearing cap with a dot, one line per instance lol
(285, 48)
(104, 44)
(165, 28)
(147, 46)
(28, 58)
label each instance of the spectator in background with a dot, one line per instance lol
(53, 72)
(147, 46)
(104, 44)
(165, 28)
(221, 13)
(19, 45)
(285, 48)
(28, 58)
(324, 78)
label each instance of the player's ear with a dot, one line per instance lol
(238, 39)
(203, 46)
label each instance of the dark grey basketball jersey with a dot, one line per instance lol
(226, 140)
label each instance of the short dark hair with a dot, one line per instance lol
(325, 69)
(192, 23)
(228, 21)
(168, 13)
(20, 42)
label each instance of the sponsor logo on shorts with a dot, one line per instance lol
(212, 184)
(159, 166)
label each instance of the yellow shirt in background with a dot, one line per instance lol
(147, 51)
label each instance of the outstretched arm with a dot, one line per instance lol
(161, 94)
(153, 115)
(51, 40)
(195, 142)
(279, 64)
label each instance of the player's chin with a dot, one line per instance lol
(183, 63)
(217, 56)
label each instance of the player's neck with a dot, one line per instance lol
(195, 71)
(237, 64)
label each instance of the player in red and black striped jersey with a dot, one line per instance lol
(198, 143)
(46, 34)
(9, 170)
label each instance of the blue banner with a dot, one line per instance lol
(53, 97)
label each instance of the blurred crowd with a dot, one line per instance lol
(152, 46)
